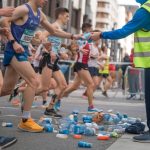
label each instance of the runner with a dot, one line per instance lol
(62, 18)
(104, 74)
(25, 20)
(93, 65)
(5, 141)
(81, 69)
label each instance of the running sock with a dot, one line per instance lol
(91, 106)
(26, 115)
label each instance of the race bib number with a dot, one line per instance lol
(26, 37)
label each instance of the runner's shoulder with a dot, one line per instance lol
(23, 9)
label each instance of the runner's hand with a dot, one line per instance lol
(78, 36)
(18, 48)
(95, 36)
(7, 11)
(5, 31)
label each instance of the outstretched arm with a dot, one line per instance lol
(52, 31)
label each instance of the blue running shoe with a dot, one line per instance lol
(57, 105)
(94, 110)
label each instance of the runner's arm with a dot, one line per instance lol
(18, 13)
(52, 31)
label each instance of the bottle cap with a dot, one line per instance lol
(77, 136)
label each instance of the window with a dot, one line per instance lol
(103, 4)
(102, 15)
(101, 25)
(75, 21)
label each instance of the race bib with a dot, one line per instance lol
(26, 37)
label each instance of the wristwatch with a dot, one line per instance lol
(12, 41)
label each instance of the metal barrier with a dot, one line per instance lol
(134, 82)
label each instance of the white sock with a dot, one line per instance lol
(26, 114)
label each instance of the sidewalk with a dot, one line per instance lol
(126, 143)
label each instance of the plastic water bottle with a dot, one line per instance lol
(48, 128)
(101, 128)
(64, 131)
(116, 119)
(5, 124)
(75, 112)
(119, 131)
(120, 116)
(106, 117)
(75, 117)
(84, 144)
(89, 131)
(87, 119)
(45, 121)
(87, 36)
(79, 129)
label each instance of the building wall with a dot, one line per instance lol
(106, 15)
(125, 14)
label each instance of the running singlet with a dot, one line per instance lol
(56, 44)
(93, 61)
(23, 34)
(81, 57)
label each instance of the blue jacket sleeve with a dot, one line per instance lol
(140, 20)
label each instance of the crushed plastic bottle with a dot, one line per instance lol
(83, 144)
(87, 119)
(48, 128)
(7, 124)
(79, 129)
(89, 131)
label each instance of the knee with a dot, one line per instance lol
(34, 83)
(63, 86)
(91, 85)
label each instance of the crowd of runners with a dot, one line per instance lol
(32, 55)
(31, 58)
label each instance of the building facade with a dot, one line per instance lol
(107, 13)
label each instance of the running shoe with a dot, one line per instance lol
(94, 110)
(57, 105)
(105, 94)
(29, 125)
(142, 138)
(52, 113)
(6, 141)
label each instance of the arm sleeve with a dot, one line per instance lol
(139, 20)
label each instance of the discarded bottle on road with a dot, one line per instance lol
(6, 124)
(119, 131)
(87, 119)
(48, 128)
(45, 121)
(79, 129)
(64, 131)
(75, 112)
(89, 131)
(101, 128)
(75, 117)
(84, 144)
